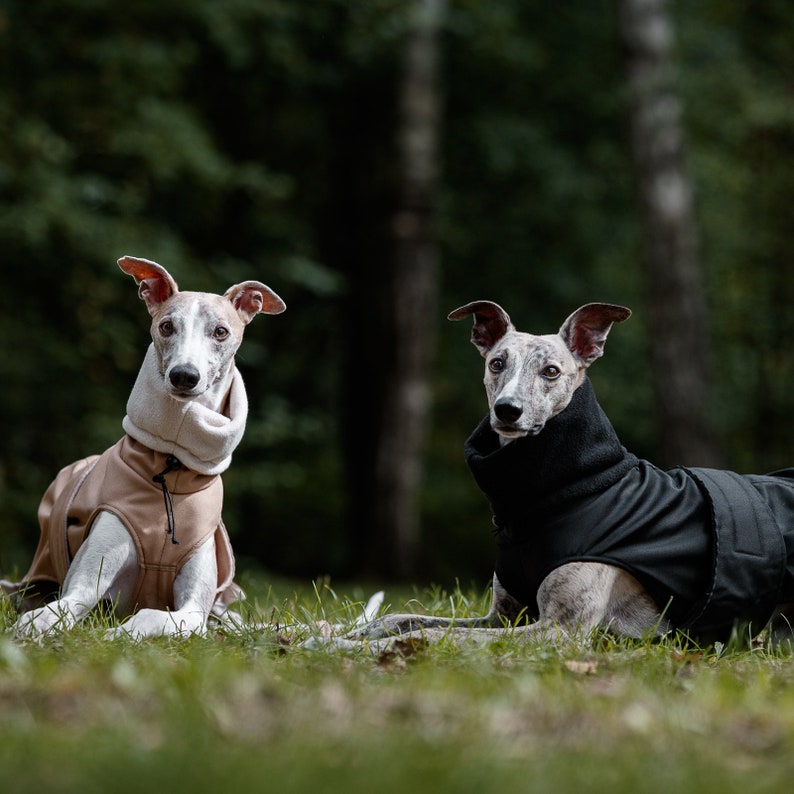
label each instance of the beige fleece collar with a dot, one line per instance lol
(201, 438)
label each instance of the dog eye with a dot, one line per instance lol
(220, 332)
(496, 364)
(551, 372)
(166, 328)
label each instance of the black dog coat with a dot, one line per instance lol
(711, 547)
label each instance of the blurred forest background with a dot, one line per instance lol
(379, 163)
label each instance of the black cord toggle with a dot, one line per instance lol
(172, 463)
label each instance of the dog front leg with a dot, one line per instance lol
(573, 600)
(194, 595)
(102, 568)
(504, 610)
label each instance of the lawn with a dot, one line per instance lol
(254, 711)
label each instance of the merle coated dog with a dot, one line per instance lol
(588, 535)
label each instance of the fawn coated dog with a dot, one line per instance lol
(140, 526)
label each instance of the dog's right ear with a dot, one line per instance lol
(491, 323)
(155, 284)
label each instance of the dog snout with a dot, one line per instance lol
(507, 411)
(184, 377)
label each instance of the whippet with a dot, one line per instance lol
(140, 526)
(588, 535)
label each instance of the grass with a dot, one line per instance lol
(250, 712)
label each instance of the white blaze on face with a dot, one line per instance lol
(196, 336)
(528, 380)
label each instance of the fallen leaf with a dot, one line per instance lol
(400, 650)
(409, 647)
(687, 657)
(581, 668)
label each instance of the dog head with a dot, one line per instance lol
(529, 379)
(196, 334)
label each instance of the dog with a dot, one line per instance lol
(591, 537)
(140, 526)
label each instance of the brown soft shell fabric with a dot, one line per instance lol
(120, 481)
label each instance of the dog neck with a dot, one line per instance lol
(202, 439)
(576, 455)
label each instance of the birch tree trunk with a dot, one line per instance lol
(677, 308)
(411, 300)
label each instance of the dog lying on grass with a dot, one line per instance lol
(591, 537)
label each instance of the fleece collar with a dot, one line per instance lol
(576, 455)
(202, 439)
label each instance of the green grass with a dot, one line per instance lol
(250, 712)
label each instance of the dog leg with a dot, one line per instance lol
(581, 596)
(194, 595)
(102, 568)
(504, 610)
(573, 600)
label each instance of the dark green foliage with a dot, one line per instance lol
(254, 139)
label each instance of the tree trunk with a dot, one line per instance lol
(676, 304)
(411, 300)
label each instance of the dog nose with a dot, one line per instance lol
(184, 377)
(506, 411)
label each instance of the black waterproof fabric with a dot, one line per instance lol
(711, 547)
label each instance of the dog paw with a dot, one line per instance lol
(158, 623)
(44, 620)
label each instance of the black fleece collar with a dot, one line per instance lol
(576, 455)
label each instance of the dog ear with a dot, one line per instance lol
(491, 323)
(155, 284)
(252, 297)
(585, 331)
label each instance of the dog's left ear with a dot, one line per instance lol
(585, 331)
(252, 297)
(155, 284)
